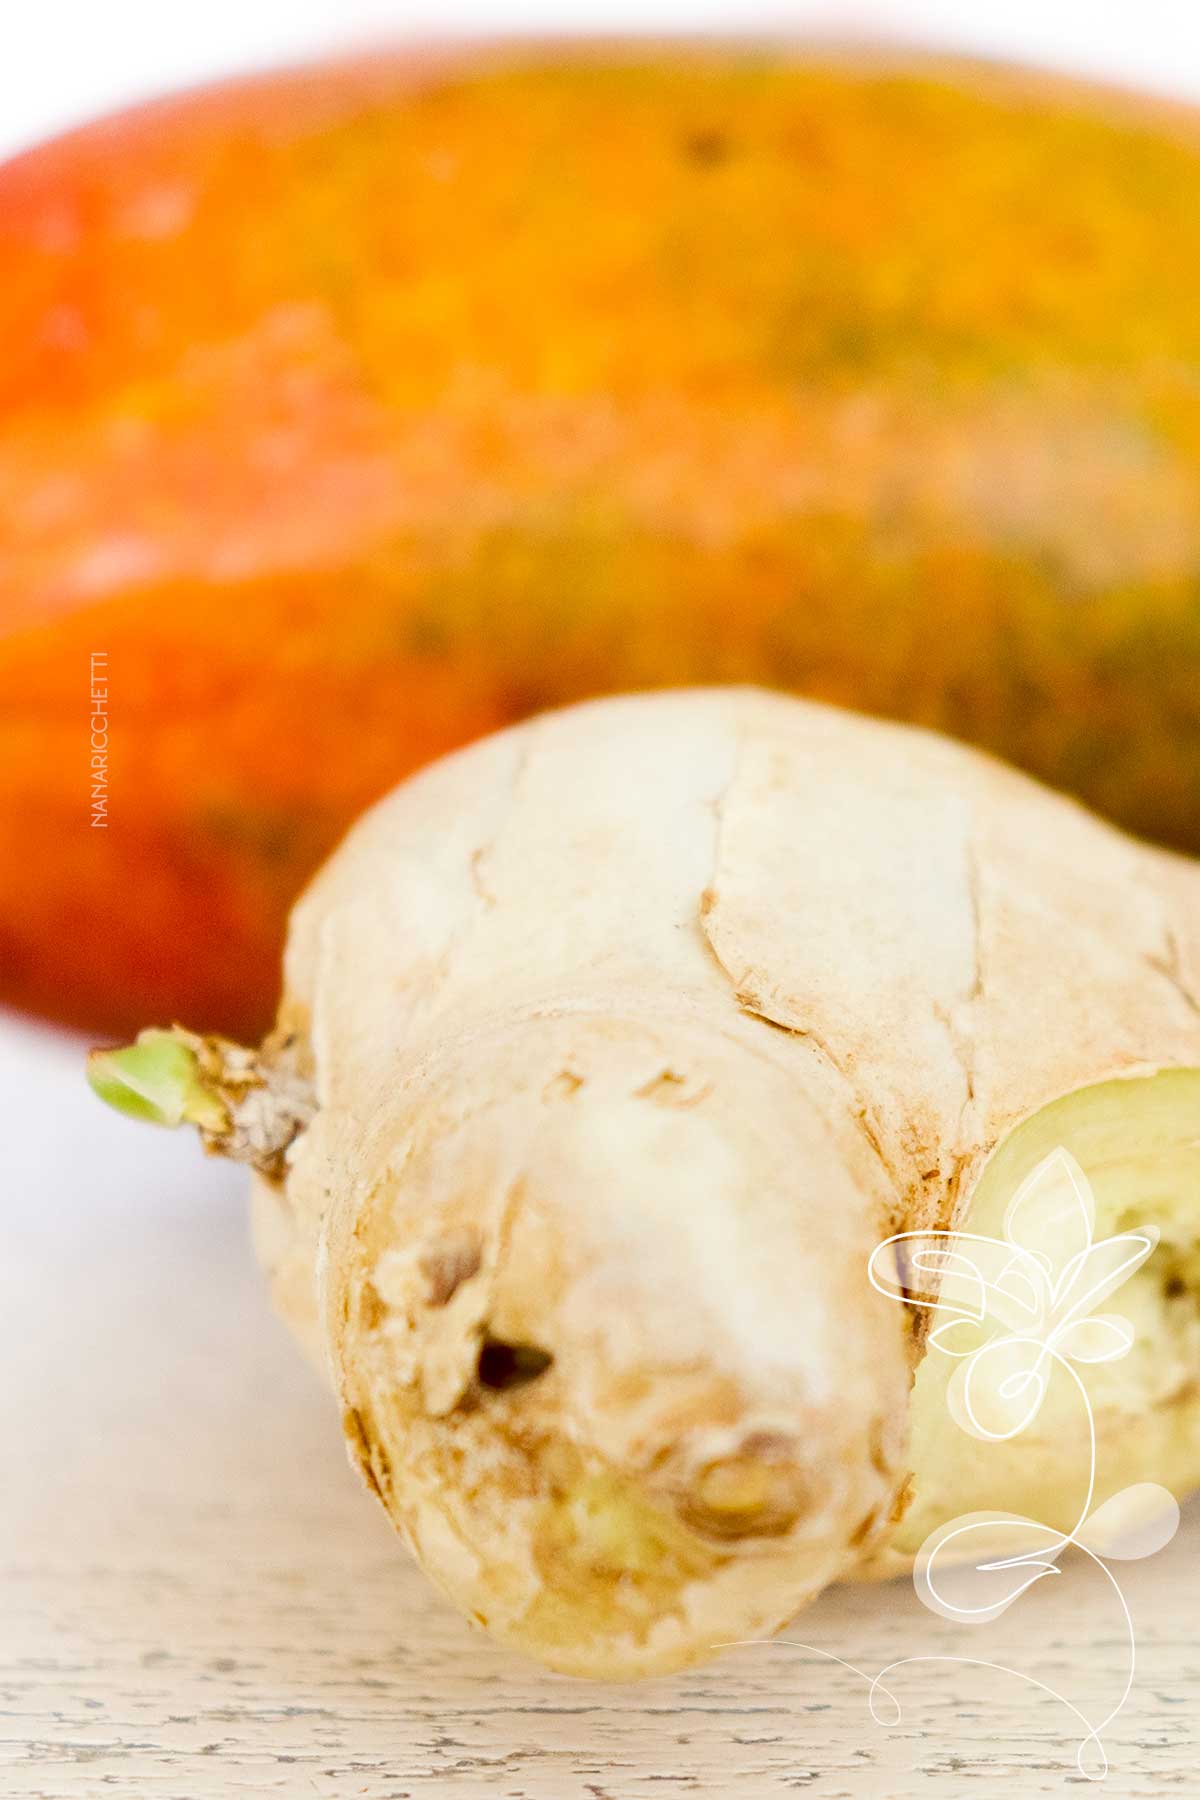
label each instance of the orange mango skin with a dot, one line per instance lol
(355, 412)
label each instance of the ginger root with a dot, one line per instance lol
(610, 1049)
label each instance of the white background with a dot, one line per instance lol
(62, 61)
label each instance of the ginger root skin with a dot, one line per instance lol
(634, 1029)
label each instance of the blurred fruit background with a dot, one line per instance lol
(349, 413)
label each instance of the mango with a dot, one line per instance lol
(348, 414)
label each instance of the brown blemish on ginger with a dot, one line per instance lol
(448, 1263)
(359, 1448)
(879, 1460)
(381, 1468)
(671, 1089)
(371, 1309)
(659, 1085)
(760, 1491)
(902, 1501)
(867, 1526)
(562, 1085)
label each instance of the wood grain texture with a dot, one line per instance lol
(196, 1600)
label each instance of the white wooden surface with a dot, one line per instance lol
(196, 1599)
